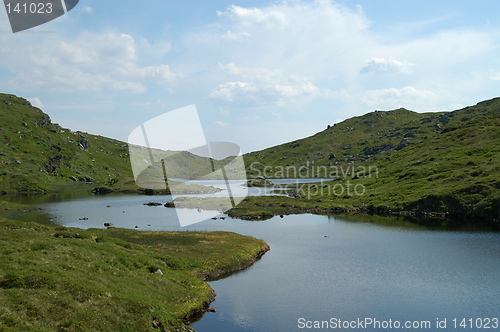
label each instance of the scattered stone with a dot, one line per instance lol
(73, 178)
(101, 191)
(158, 271)
(86, 179)
(83, 143)
(152, 204)
(43, 121)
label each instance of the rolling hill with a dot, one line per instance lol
(401, 161)
(37, 155)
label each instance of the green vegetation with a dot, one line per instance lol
(259, 182)
(11, 206)
(37, 155)
(64, 279)
(445, 164)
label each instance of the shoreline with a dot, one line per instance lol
(160, 278)
(428, 218)
(197, 314)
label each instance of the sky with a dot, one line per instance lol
(260, 73)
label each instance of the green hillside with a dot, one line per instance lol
(423, 163)
(37, 155)
(366, 139)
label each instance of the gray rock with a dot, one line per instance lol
(83, 143)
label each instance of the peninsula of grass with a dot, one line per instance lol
(54, 278)
(11, 206)
(259, 182)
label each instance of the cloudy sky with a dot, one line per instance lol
(259, 72)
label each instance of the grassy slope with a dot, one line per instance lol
(442, 162)
(62, 279)
(37, 155)
(359, 140)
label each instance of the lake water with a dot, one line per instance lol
(325, 268)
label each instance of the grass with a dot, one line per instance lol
(426, 164)
(37, 155)
(63, 279)
(11, 206)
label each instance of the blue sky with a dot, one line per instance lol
(261, 73)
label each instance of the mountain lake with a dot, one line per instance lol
(322, 272)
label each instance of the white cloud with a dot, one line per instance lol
(159, 73)
(35, 101)
(250, 16)
(235, 36)
(87, 9)
(495, 77)
(335, 54)
(319, 38)
(221, 123)
(390, 65)
(407, 97)
(87, 62)
(258, 87)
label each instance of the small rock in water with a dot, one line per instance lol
(211, 310)
(152, 204)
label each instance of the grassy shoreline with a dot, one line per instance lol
(265, 207)
(57, 278)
